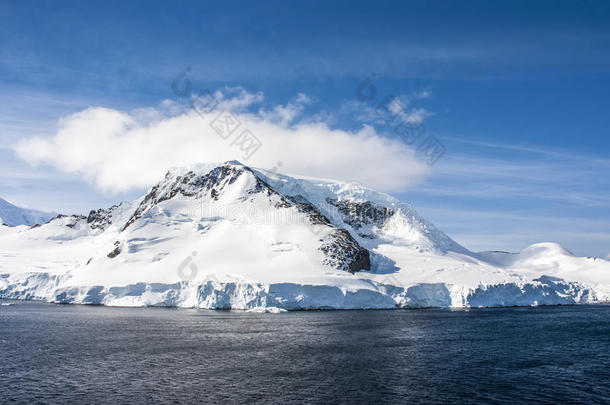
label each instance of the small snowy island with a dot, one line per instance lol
(227, 236)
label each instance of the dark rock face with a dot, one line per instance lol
(359, 214)
(341, 250)
(344, 253)
(116, 251)
(101, 218)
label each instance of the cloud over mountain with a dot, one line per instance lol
(120, 150)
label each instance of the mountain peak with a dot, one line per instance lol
(234, 163)
(365, 213)
(13, 215)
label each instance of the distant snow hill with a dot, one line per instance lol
(230, 236)
(12, 215)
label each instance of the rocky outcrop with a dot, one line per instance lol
(343, 252)
(102, 218)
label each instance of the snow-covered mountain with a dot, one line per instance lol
(229, 236)
(12, 215)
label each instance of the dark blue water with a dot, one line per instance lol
(74, 354)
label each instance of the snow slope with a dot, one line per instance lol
(12, 215)
(228, 236)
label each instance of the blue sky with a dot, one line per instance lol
(515, 91)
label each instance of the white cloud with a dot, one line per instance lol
(118, 151)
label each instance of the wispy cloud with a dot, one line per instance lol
(531, 149)
(285, 114)
(396, 109)
(536, 177)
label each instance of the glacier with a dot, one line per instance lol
(228, 236)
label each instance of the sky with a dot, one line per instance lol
(490, 118)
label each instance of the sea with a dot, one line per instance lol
(93, 354)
